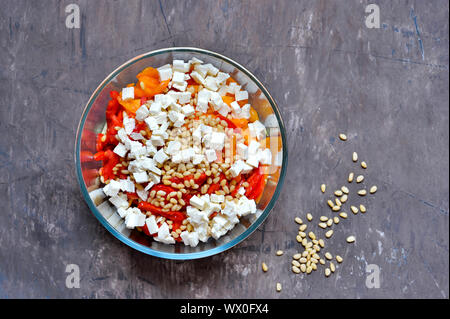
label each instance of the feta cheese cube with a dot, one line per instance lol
(129, 124)
(128, 93)
(265, 156)
(211, 69)
(120, 200)
(165, 73)
(242, 151)
(160, 157)
(197, 159)
(222, 77)
(217, 198)
(173, 147)
(188, 110)
(257, 129)
(120, 150)
(157, 140)
(236, 168)
(180, 86)
(241, 95)
(112, 188)
(155, 108)
(253, 160)
(197, 77)
(151, 123)
(217, 140)
(210, 155)
(178, 77)
(140, 177)
(143, 194)
(152, 226)
(211, 83)
(127, 185)
(184, 97)
(197, 202)
(181, 66)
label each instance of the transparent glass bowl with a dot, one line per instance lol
(93, 120)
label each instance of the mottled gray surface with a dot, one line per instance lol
(329, 74)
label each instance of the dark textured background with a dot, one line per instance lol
(329, 74)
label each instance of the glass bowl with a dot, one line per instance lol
(93, 120)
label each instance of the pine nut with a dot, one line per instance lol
(323, 187)
(330, 223)
(344, 189)
(338, 202)
(336, 208)
(321, 243)
(298, 220)
(354, 209)
(350, 177)
(339, 259)
(362, 208)
(332, 267)
(295, 263)
(323, 218)
(312, 235)
(344, 198)
(330, 203)
(373, 189)
(299, 239)
(279, 252)
(264, 267)
(309, 217)
(363, 164)
(351, 239)
(327, 272)
(303, 227)
(295, 269)
(362, 192)
(303, 268)
(297, 256)
(355, 157)
(323, 225)
(359, 179)
(336, 220)
(338, 193)
(309, 270)
(278, 287)
(302, 234)
(328, 256)
(343, 137)
(329, 233)
(343, 215)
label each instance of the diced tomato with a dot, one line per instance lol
(174, 215)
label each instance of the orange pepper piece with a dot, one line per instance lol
(242, 123)
(151, 72)
(131, 105)
(253, 115)
(228, 99)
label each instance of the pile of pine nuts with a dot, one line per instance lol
(310, 258)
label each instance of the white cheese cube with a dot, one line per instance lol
(241, 95)
(140, 177)
(142, 113)
(160, 157)
(120, 150)
(210, 155)
(222, 77)
(112, 188)
(265, 156)
(211, 69)
(211, 83)
(197, 77)
(155, 108)
(143, 194)
(165, 73)
(217, 198)
(257, 129)
(129, 124)
(217, 140)
(173, 147)
(152, 226)
(184, 97)
(157, 140)
(242, 151)
(188, 110)
(128, 93)
(197, 202)
(120, 200)
(236, 168)
(151, 123)
(127, 185)
(197, 159)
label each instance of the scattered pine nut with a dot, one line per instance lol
(362, 208)
(350, 177)
(302, 227)
(343, 215)
(359, 179)
(336, 220)
(338, 202)
(321, 243)
(278, 287)
(351, 239)
(323, 218)
(373, 189)
(298, 220)
(330, 223)
(336, 208)
(322, 261)
(297, 256)
(303, 268)
(323, 188)
(329, 233)
(338, 193)
(309, 217)
(264, 267)
(344, 198)
(312, 235)
(362, 192)
(354, 209)
(343, 137)
(295, 269)
(332, 267)
(328, 256)
(279, 252)
(363, 164)
(327, 272)
(355, 157)
(330, 203)
(339, 259)
(295, 263)
(309, 270)
(323, 225)
(344, 189)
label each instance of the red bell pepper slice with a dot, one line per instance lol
(213, 188)
(257, 189)
(230, 124)
(253, 180)
(110, 160)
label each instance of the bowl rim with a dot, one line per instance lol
(148, 250)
